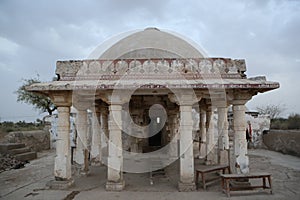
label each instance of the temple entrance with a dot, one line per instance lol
(155, 140)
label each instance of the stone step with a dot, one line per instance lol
(26, 156)
(5, 147)
(19, 151)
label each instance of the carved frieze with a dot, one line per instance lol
(172, 68)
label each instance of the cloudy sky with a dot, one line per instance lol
(35, 34)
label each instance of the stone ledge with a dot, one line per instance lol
(186, 187)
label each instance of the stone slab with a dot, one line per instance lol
(26, 156)
(19, 151)
(5, 147)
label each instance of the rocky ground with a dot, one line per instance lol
(30, 182)
(8, 162)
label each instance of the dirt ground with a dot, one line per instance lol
(30, 182)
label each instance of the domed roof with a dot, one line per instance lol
(148, 43)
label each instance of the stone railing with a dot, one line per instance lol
(173, 68)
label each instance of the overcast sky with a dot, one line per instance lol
(35, 34)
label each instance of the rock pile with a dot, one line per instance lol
(8, 162)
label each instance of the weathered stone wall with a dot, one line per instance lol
(284, 141)
(259, 124)
(37, 140)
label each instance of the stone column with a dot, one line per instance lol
(62, 166)
(240, 142)
(62, 161)
(81, 153)
(104, 133)
(202, 127)
(223, 139)
(96, 154)
(210, 137)
(186, 182)
(115, 181)
(172, 122)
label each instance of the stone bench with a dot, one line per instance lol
(226, 178)
(204, 169)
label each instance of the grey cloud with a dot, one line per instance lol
(265, 32)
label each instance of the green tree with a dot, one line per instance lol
(39, 101)
(294, 121)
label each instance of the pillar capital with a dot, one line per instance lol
(182, 98)
(61, 98)
(221, 104)
(241, 97)
(117, 98)
(81, 104)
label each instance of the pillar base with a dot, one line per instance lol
(223, 157)
(96, 163)
(211, 158)
(84, 173)
(186, 187)
(79, 169)
(61, 184)
(115, 186)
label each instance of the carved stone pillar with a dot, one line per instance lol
(223, 139)
(81, 153)
(104, 132)
(96, 155)
(240, 142)
(239, 126)
(62, 162)
(172, 122)
(202, 127)
(186, 182)
(115, 181)
(210, 137)
(62, 166)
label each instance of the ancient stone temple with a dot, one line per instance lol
(142, 91)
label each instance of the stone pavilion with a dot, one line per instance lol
(142, 90)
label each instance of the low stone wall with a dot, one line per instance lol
(284, 141)
(37, 140)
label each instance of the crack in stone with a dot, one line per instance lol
(71, 195)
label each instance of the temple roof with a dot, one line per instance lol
(152, 59)
(148, 43)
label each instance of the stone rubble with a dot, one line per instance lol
(8, 162)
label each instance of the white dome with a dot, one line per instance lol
(148, 43)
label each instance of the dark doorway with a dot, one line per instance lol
(155, 140)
